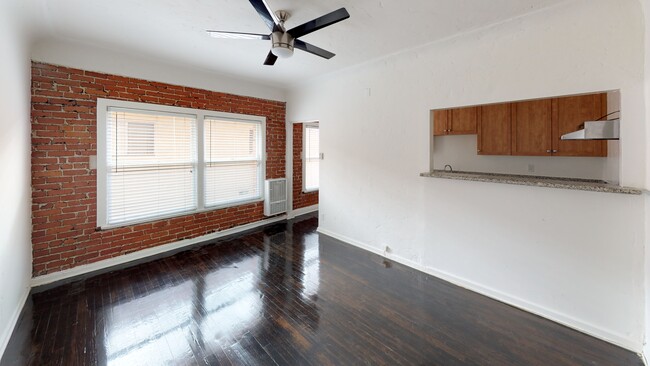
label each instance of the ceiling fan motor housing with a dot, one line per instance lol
(282, 44)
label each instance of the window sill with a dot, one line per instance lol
(309, 190)
(175, 215)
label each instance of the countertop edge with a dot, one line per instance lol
(547, 182)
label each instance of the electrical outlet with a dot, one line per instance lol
(531, 168)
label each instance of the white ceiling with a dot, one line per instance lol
(174, 31)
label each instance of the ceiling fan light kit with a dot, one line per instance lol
(283, 41)
(282, 44)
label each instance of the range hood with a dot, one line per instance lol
(596, 130)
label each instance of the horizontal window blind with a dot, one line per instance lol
(151, 164)
(233, 161)
(311, 157)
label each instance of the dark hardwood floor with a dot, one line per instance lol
(286, 295)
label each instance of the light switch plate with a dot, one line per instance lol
(92, 161)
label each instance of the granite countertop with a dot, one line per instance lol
(537, 181)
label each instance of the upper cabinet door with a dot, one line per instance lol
(495, 129)
(531, 127)
(440, 122)
(570, 116)
(463, 121)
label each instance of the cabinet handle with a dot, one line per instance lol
(554, 151)
(549, 151)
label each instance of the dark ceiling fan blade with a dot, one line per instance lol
(268, 16)
(238, 35)
(312, 49)
(270, 59)
(318, 23)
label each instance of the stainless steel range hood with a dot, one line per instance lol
(596, 130)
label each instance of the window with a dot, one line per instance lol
(233, 156)
(157, 161)
(311, 157)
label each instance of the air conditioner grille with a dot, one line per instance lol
(275, 193)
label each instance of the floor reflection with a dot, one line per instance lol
(284, 295)
(217, 310)
(137, 331)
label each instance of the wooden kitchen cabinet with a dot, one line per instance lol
(456, 121)
(528, 128)
(571, 113)
(532, 131)
(463, 121)
(494, 133)
(440, 122)
(538, 125)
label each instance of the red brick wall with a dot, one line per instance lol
(64, 187)
(300, 199)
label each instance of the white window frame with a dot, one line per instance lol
(102, 159)
(304, 156)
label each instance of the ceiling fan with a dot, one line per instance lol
(283, 41)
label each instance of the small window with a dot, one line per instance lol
(311, 157)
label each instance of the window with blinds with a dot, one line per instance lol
(161, 161)
(311, 157)
(151, 164)
(233, 157)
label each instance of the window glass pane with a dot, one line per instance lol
(311, 157)
(151, 164)
(233, 161)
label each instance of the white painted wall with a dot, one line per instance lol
(646, 344)
(572, 256)
(90, 57)
(646, 13)
(15, 191)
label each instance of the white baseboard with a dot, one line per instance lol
(302, 211)
(522, 304)
(6, 334)
(107, 263)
